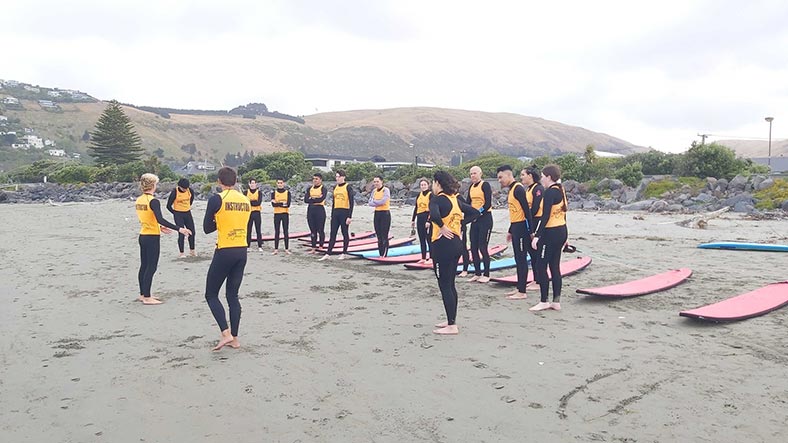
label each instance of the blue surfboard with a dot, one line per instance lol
(504, 263)
(740, 246)
(392, 252)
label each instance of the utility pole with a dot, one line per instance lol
(703, 138)
(769, 161)
(415, 157)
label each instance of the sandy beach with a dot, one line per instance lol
(342, 351)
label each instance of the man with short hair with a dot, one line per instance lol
(341, 214)
(316, 212)
(480, 197)
(280, 200)
(519, 228)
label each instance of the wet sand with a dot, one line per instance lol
(343, 350)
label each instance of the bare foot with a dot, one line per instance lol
(464, 274)
(513, 292)
(541, 306)
(225, 340)
(474, 278)
(448, 330)
(151, 301)
(181, 255)
(192, 253)
(420, 262)
(442, 324)
(287, 251)
(484, 279)
(517, 296)
(555, 306)
(275, 251)
(235, 344)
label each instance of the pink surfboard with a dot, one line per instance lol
(351, 243)
(413, 258)
(494, 250)
(371, 246)
(291, 236)
(568, 267)
(648, 285)
(358, 236)
(752, 304)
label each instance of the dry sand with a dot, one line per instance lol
(343, 351)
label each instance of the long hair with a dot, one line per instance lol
(554, 172)
(447, 182)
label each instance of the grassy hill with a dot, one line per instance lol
(757, 148)
(363, 134)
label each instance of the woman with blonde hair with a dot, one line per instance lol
(152, 224)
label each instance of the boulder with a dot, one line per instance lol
(722, 185)
(616, 184)
(743, 206)
(3, 197)
(570, 186)
(711, 183)
(743, 197)
(757, 180)
(589, 204)
(638, 206)
(738, 183)
(784, 206)
(658, 206)
(611, 205)
(765, 184)
(704, 197)
(575, 205)
(603, 185)
(675, 208)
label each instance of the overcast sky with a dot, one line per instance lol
(652, 73)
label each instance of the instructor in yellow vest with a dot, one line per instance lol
(180, 205)
(228, 213)
(380, 199)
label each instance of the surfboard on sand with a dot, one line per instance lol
(358, 236)
(370, 246)
(741, 307)
(351, 243)
(648, 285)
(568, 267)
(392, 252)
(493, 251)
(741, 246)
(291, 236)
(412, 258)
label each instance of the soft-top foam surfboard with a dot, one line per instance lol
(412, 258)
(291, 236)
(568, 267)
(493, 251)
(351, 243)
(644, 286)
(751, 304)
(370, 246)
(358, 236)
(495, 265)
(741, 246)
(392, 252)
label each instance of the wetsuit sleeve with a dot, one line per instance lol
(155, 206)
(538, 195)
(170, 201)
(351, 201)
(382, 201)
(191, 196)
(551, 197)
(273, 197)
(288, 198)
(209, 222)
(258, 200)
(307, 199)
(519, 195)
(471, 213)
(320, 199)
(415, 207)
(487, 189)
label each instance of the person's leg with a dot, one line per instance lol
(477, 265)
(519, 245)
(421, 230)
(143, 264)
(277, 222)
(485, 230)
(249, 230)
(445, 265)
(321, 223)
(332, 236)
(345, 231)
(179, 218)
(152, 251)
(465, 256)
(217, 273)
(386, 226)
(543, 256)
(377, 224)
(258, 226)
(189, 223)
(286, 230)
(557, 240)
(234, 278)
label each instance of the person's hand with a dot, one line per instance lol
(347, 222)
(166, 230)
(508, 237)
(446, 232)
(413, 224)
(534, 242)
(185, 231)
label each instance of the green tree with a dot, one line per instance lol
(284, 165)
(114, 141)
(630, 174)
(489, 163)
(712, 160)
(655, 162)
(359, 171)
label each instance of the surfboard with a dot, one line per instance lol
(358, 236)
(370, 246)
(495, 265)
(291, 236)
(392, 252)
(568, 267)
(741, 307)
(741, 246)
(495, 250)
(648, 285)
(351, 243)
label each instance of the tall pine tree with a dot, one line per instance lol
(114, 141)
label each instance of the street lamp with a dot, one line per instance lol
(415, 157)
(770, 119)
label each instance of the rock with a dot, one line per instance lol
(629, 196)
(784, 206)
(611, 205)
(738, 183)
(722, 185)
(3, 197)
(570, 186)
(658, 206)
(743, 206)
(575, 205)
(641, 188)
(711, 183)
(743, 197)
(603, 185)
(765, 184)
(675, 208)
(638, 206)
(589, 204)
(757, 180)
(704, 198)
(616, 184)
(494, 185)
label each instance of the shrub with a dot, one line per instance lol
(258, 174)
(74, 174)
(656, 188)
(772, 197)
(630, 174)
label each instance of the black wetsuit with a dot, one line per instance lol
(184, 219)
(339, 218)
(255, 219)
(481, 229)
(282, 219)
(316, 218)
(421, 220)
(150, 248)
(550, 245)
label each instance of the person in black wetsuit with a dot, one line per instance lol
(152, 224)
(480, 197)
(341, 214)
(380, 199)
(315, 197)
(420, 219)
(519, 228)
(228, 214)
(534, 190)
(550, 238)
(446, 214)
(180, 205)
(280, 200)
(255, 197)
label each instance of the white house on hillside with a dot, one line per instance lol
(10, 100)
(57, 152)
(35, 141)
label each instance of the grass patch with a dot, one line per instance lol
(695, 183)
(656, 188)
(772, 197)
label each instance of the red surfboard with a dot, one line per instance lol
(359, 236)
(752, 304)
(568, 267)
(644, 286)
(291, 236)
(370, 246)
(413, 258)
